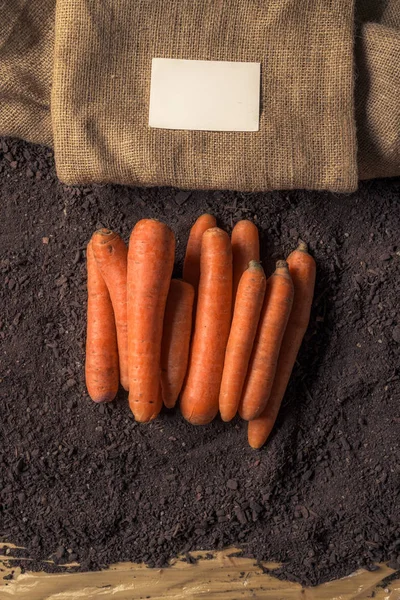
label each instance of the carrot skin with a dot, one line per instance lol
(246, 315)
(245, 247)
(157, 406)
(150, 263)
(176, 339)
(111, 256)
(199, 399)
(101, 363)
(191, 265)
(303, 271)
(274, 316)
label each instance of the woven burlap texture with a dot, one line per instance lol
(26, 65)
(101, 87)
(378, 88)
(102, 56)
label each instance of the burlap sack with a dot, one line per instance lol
(102, 56)
(101, 86)
(26, 65)
(378, 88)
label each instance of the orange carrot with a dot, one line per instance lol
(101, 365)
(111, 256)
(249, 301)
(273, 320)
(302, 269)
(199, 399)
(191, 265)
(245, 247)
(150, 263)
(176, 339)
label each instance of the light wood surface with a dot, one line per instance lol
(224, 577)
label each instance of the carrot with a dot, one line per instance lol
(302, 269)
(199, 399)
(245, 247)
(176, 339)
(101, 364)
(246, 314)
(111, 256)
(191, 265)
(150, 263)
(274, 316)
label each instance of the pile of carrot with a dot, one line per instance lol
(223, 338)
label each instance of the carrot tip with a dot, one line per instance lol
(226, 418)
(255, 446)
(103, 399)
(195, 419)
(142, 416)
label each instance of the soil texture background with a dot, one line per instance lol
(84, 482)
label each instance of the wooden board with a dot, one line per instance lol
(223, 577)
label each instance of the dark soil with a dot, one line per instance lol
(80, 481)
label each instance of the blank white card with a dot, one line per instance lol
(204, 95)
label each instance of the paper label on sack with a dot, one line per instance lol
(204, 95)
